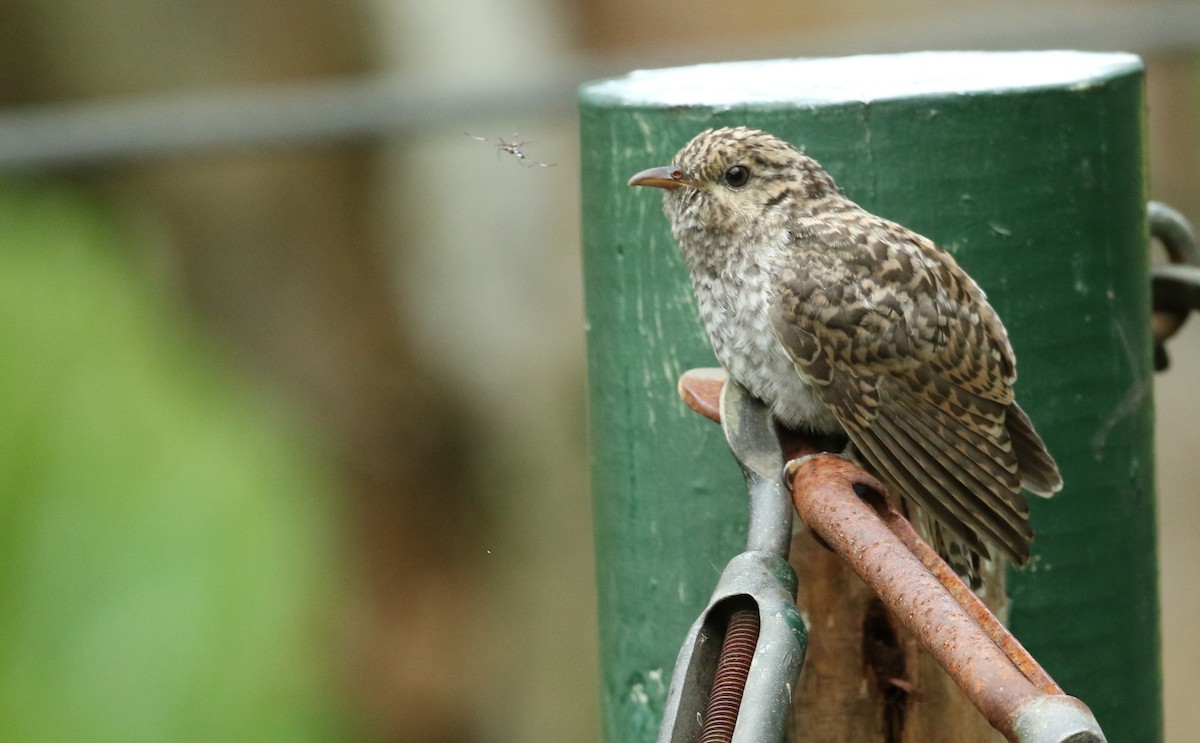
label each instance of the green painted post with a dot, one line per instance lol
(1029, 168)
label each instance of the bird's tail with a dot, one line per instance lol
(1039, 473)
(969, 564)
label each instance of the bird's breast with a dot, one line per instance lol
(735, 308)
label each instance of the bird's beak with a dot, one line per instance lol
(667, 176)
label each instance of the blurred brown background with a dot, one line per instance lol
(412, 299)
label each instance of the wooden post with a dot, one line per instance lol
(1029, 168)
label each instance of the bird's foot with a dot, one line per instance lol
(850, 453)
(793, 464)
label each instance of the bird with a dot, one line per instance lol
(846, 323)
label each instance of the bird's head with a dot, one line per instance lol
(725, 178)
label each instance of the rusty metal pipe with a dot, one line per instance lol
(966, 598)
(823, 493)
(970, 603)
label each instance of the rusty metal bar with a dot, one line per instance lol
(700, 390)
(970, 603)
(823, 493)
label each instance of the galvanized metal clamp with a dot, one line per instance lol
(738, 666)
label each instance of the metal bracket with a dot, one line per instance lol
(1176, 286)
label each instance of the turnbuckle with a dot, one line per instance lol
(737, 669)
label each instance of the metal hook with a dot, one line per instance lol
(1176, 287)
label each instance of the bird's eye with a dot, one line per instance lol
(737, 176)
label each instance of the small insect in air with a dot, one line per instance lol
(513, 148)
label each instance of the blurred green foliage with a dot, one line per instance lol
(166, 536)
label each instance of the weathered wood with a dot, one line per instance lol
(865, 678)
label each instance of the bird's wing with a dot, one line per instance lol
(915, 365)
